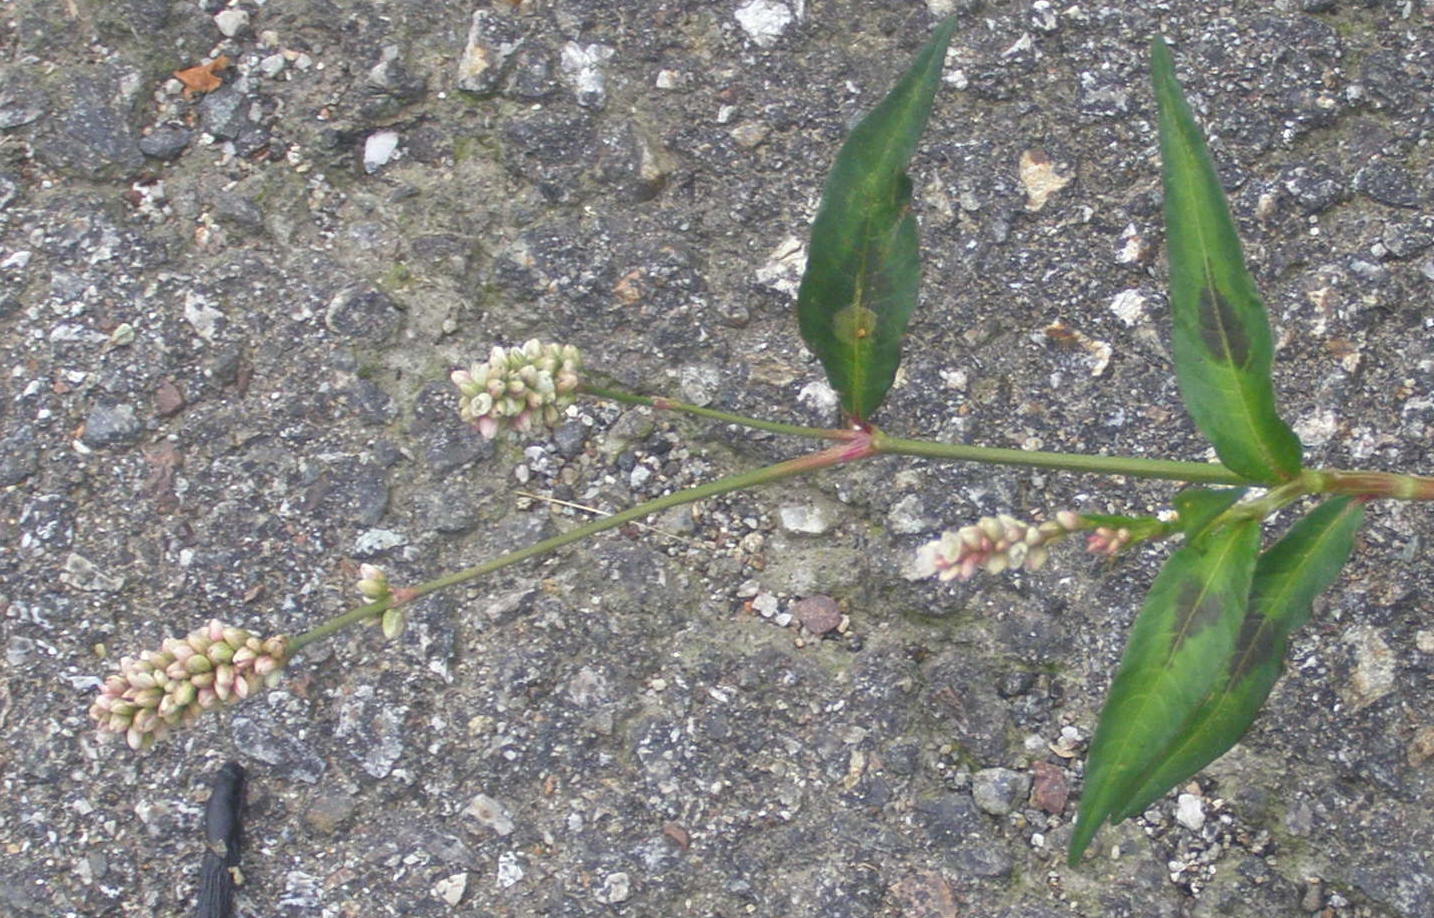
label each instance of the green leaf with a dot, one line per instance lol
(1178, 647)
(863, 264)
(1288, 577)
(1198, 508)
(1222, 340)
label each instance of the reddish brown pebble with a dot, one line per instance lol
(677, 835)
(818, 614)
(924, 895)
(1049, 789)
(167, 399)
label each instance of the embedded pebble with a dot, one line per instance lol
(231, 22)
(378, 149)
(491, 814)
(1190, 812)
(808, 519)
(1373, 675)
(582, 65)
(818, 614)
(615, 888)
(111, 425)
(764, 21)
(998, 791)
(450, 889)
(510, 870)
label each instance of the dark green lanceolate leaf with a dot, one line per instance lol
(1179, 646)
(1288, 577)
(1198, 508)
(1222, 340)
(863, 264)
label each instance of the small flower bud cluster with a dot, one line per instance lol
(518, 387)
(1108, 541)
(373, 583)
(993, 544)
(175, 685)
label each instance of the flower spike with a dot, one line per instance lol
(173, 686)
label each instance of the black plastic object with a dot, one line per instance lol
(222, 836)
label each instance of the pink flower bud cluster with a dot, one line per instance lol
(1108, 541)
(173, 686)
(993, 544)
(518, 387)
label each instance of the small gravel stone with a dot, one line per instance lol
(1049, 788)
(378, 149)
(510, 869)
(808, 519)
(949, 819)
(19, 456)
(111, 425)
(232, 22)
(490, 814)
(583, 65)
(1373, 674)
(998, 791)
(818, 614)
(492, 40)
(166, 142)
(83, 574)
(1190, 812)
(569, 439)
(615, 888)
(450, 889)
(1388, 183)
(330, 809)
(764, 21)
(224, 113)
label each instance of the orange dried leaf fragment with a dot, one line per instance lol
(204, 77)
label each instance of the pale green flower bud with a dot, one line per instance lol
(394, 622)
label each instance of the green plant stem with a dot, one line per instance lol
(667, 404)
(859, 448)
(1197, 472)
(1369, 484)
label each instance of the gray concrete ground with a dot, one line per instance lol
(228, 316)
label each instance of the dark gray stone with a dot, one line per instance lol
(569, 438)
(532, 78)
(91, 136)
(224, 113)
(950, 819)
(1314, 187)
(19, 456)
(1389, 183)
(21, 106)
(986, 860)
(364, 313)
(166, 142)
(239, 210)
(111, 425)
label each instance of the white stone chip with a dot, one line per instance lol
(1190, 812)
(378, 149)
(764, 21)
(231, 22)
(450, 889)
